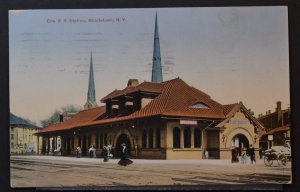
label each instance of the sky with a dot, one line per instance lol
(231, 53)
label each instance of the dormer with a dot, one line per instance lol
(200, 105)
(133, 98)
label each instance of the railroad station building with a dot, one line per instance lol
(277, 126)
(156, 120)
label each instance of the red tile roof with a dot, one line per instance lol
(82, 117)
(229, 108)
(143, 87)
(174, 99)
(177, 98)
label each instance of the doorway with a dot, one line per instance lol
(123, 138)
(240, 142)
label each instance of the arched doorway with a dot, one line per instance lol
(241, 142)
(123, 138)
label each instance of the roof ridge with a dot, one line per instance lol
(169, 85)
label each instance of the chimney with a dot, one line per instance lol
(279, 114)
(61, 117)
(251, 112)
(278, 106)
(132, 83)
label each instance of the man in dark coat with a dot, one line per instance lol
(260, 153)
(252, 154)
(105, 154)
(234, 157)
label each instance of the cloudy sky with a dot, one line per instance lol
(232, 53)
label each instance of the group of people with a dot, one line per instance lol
(249, 152)
(107, 154)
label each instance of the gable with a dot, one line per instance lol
(239, 116)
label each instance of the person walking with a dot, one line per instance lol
(260, 153)
(234, 158)
(244, 158)
(206, 154)
(105, 153)
(91, 151)
(78, 152)
(124, 161)
(252, 154)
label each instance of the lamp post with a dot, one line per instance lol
(135, 139)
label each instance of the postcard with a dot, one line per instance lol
(195, 96)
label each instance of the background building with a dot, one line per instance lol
(277, 126)
(22, 138)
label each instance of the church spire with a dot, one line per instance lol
(156, 66)
(91, 97)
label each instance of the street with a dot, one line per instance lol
(55, 171)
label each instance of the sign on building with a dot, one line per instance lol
(188, 122)
(270, 137)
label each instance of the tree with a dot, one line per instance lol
(55, 117)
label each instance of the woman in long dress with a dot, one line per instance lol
(124, 156)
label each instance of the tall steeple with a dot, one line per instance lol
(156, 66)
(91, 96)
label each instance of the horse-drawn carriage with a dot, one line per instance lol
(280, 153)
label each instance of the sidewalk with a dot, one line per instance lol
(136, 161)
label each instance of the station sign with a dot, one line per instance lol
(270, 137)
(188, 122)
(239, 122)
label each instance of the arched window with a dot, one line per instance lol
(72, 143)
(97, 141)
(158, 138)
(79, 140)
(105, 139)
(187, 137)
(176, 137)
(144, 139)
(101, 141)
(150, 138)
(197, 137)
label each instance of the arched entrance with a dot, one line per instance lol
(123, 138)
(241, 142)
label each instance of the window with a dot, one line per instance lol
(176, 137)
(197, 138)
(151, 138)
(187, 137)
(72, 143)
(105, 139)
(158, 138)
(89, 140)
(144, 139)
(97, 141)
(101, 140)
(79, 140)
(200, 106)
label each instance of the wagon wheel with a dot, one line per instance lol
(282, 159)
(268, 161)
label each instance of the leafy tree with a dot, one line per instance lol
(55, 117)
